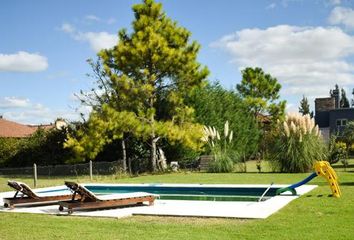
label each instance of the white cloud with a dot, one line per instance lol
(111, 20)
(305, 60)
(341, 15)
(13, 102)
(335, 2)
(92, 18)
(23, 62)
(25, 111)
(271, 6)
(89, 19)
(97, 40)
(291, 108)
(68, 28)
(285, 3)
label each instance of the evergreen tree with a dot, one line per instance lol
(150, 72)
(305, 107)
(335, 91)
(104, 94)
(344, 102)
(260, 92)
(215, 105)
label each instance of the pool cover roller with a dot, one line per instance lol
(322, 168)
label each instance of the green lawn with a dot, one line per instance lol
(313, 216)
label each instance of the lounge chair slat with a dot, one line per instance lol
(29, 197)
(88, 200)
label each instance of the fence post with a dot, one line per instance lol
(91, 170)
(35, 174)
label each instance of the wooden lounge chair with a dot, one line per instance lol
(88, 200)
(25, 196)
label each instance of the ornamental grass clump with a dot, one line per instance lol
(220, 147)
(297, 145)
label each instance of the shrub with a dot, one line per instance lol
(337, 150)
(9, 147)
(351, 150)
(345, 163)
(44, 147)
(222, 163)
(220, 147)
(297, 144)
(348, 134)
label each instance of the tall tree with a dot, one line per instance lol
(353, 98)
(103, 94)
(305, 107)
(150, 71)
(215, 105)
(260, 92)
(335, 91)
(344, 102)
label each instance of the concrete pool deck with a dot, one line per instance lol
(238, 209)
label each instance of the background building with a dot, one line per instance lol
(330, 117)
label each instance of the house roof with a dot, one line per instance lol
(9, 129)
(263, 118)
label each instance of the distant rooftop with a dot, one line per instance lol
(9, 129)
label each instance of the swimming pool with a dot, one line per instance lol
(195, 192)
(197, 200)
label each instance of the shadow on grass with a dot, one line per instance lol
(319, 195)
(341, 166)
(347, 184)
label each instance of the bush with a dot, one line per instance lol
(348, 134)
(345, 163)
(337, 150)
(222, 163)
(214, 105)
(9, 147)
(220, 148)
(44, 147)
(297, 145)
(351, 150)
(187, 158)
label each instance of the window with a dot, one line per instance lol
(341, 122)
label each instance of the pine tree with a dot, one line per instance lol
(344, 102)
(305, 107)
(260, 92)
(150, 72)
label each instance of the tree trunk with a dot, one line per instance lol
(153, 156)
(153, 139)
(124, 156)
(130, 166)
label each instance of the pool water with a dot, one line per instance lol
(196, 193)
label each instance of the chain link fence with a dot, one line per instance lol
(98, 168)
(83, 169)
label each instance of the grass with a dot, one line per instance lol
(314, 215)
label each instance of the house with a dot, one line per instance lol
(10, 129)
(330, 117)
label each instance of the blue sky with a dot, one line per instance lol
(44, 45)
